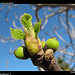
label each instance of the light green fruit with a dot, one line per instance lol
(52, 44)
(43, 43)
(21, 53)
(49, 55)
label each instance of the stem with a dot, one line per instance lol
(36, 36)
(54, 66)
(39, 60)
(48, 66)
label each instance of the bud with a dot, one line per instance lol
(32, 44)
(49, 55)
(29, 32)
(53, 44)
(21, 53)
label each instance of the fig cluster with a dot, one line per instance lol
(33, 45)
(50, 47)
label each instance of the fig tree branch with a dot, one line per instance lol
(48, 66)
(68, 29)
(57, 5)
(41, 62)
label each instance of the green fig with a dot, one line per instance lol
(49, 55)
(21, 53)
(52, 43)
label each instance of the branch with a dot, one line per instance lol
(60, 37)
(3, 7)
(68, 30)
(45, 23)
(9, 39)
(48, 66)
(54, 65)
(59, 11)
(56, 5)
(41, 62)
(36, 12)
(7, 62)
(68, 53)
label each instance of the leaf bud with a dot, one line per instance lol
(49, 55)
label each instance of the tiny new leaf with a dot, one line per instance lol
(37, 27)
(26, 20)
(17, 34)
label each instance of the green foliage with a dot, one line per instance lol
(37, 27)
(17, 34)
(33, 45)
(26, 20)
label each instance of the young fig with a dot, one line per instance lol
(49, 55)
(52, 43)
(21, 53)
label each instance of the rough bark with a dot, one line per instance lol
(41, 62)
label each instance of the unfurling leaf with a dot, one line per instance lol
(17, 34)
(37, 27)
(26, 20)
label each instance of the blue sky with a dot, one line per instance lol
(15, 64)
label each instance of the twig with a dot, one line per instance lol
(7, 62)
(68, 53)
(48, 66)
(7, 40)
(54, 14)
(54, 65)
(57, 5)
(36, 12)
(60, 37)
(68, 29)
(43, 25)
(3, 7)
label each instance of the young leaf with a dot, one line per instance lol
(37, 27)
(17, 34)
(26, 20)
